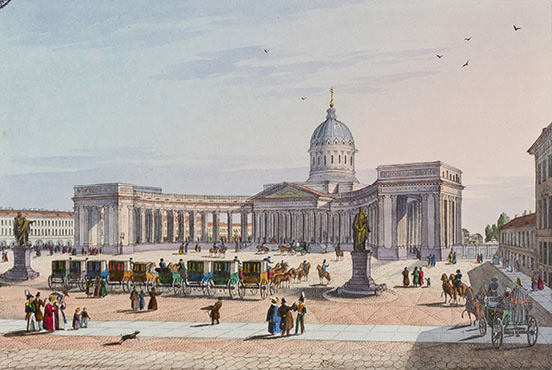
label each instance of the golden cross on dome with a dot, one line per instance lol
(331, 100)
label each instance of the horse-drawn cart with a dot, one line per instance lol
(119, 274)
(300, 247)
(142, 274)
(60, 273)
(509, 315)
(77, 274)
(256, 277)
(226, 276)
(199, 277)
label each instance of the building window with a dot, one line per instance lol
(544, 170)
(351, 160)
(313, 160)
(319, 160)
(345, 159)
(539, 173)
(339, 159)
(540, 252)
(324, 160)
(540, 214)
(545, 256)
(545, 213)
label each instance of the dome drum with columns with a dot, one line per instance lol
(410, 206)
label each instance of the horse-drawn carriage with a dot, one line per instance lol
(226, 276)
(142, 274)
(167, 278)
(96, 269)
(300, 247)
(119, 274)
(256, 277)
(509, 314)
(199, 277)
(60, 273)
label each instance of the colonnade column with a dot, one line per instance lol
(204, 235)
(459, 220)
(437, 219)
(192, 219)
(424, 221)
(394, 221)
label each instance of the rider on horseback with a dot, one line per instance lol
(457, 278)
(324, 267)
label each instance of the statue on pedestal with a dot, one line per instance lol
(360, 231)
(21, 269)
(361, 283)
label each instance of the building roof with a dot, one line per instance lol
(527, 220)
(532, 149)
(332, 130)
(33, 213)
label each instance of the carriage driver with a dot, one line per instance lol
(162, 264)
(493, 287)
(268, 263)
(181, 265)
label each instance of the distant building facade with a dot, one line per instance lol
(49, 227)
(542, 150)
(413, 205)
(517, 242)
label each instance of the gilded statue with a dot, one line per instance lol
(360, 231)
(21, 230)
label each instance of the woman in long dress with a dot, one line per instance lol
(415, 277)
(540, 283)
(406, 277)
(49, 314)
(273, 318)
(152, 305)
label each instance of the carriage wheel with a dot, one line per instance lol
(230, 288)
(241, 290)
(186, 289)
(482, 326)
(532, 330)
(176, 286)
(263, 289)
(208, 288)
(50, 282)
(497, 333)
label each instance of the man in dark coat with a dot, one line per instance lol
(286, 317)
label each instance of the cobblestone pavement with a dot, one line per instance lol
(101, 353)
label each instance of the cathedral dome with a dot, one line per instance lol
(332, 131)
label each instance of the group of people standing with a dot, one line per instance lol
(417, 277)
(280, 319)
(138, 300)
(452, 257)
(431, 260)
(480, 258)
(96, 288)
(536, 282)
(53, 317)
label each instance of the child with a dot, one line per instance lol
(85, 318)
(76, 319)
(428, 280)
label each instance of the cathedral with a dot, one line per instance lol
(411, 206)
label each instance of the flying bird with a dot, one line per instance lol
(466, 64)
(468, 38)
(516, 28)
(129, 336)
(266, 51)
(439, 56)
(303, 98)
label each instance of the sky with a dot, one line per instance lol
(182, 95)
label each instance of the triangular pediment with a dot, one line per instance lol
(288, 190)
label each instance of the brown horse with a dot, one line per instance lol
(283, 249)
(472, 306)
(460, 288)
(338, 254)
(262, 249)
(448, 289)
(293, 272)
(277, 280)
(303, 272)
(213, 251)
(322, 276)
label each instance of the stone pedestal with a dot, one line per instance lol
(361, 284)
(21, 269)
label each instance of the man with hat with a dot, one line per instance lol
(30, 311)
(286, 318)
(458, 278)
(493, 287)
(301, 312)
(39, 317)
(272, 317)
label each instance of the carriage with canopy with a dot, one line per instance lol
(119, 274)
(142, 274)
(199, 275)
(77, 274)
(226, 276)
(300, 247)
(96, 269)
(256, 278)
(60, 274)
(510, 315)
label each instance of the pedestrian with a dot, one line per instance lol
(540, 284)
(415, 277)
(518, 281)
(49, 315)
(186, 248)
(286, 318)
(134, 302)
(421, 273)
(478, 260)
(89, 288)
(30, 312)
(76, 319)
(429, 260)
(103, 288)
(142, 300)
(454, 258)
(85, 318)
(433, 262)
(214, 311)
(272, 317)
(406, 277)
(481, 258)
(301, 312)
(38, 311)
(428, 282)
(152, 304)
(97, 287)
(63, 319)
(534, 282)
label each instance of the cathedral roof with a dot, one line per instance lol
(332, 131)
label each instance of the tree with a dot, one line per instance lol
(502, 220)
(488, 233)
(492, 232)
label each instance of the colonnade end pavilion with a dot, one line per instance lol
(412, 205)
